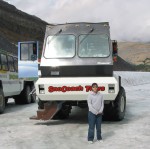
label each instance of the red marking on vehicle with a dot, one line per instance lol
(64, 89)
(73, 88)
(89, 88)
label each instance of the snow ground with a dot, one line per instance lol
(130, 78)
(18, 132)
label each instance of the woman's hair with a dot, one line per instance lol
(94, 84)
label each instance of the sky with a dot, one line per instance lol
(129, 19)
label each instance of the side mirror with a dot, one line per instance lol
(114, 50)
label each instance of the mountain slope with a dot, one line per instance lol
(122, 65)
(134, 52)
(18, 26)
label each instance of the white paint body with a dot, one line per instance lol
(73, 82)
(11, 87)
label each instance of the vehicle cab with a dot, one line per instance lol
(77, 49)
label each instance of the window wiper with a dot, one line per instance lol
(86, 35)
(55, 35)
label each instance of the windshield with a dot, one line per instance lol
(93, 46)
(61, 46)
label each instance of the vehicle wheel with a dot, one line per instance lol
(6, 101)
(41, 104)
(33, 96)
(2, 101)
(17, 100)
(107, 112)
(63, 113)
(120, 105)
(117, 110)
(25, 97)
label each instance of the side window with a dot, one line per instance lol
(4, 62)
(28, 51)
(16, 64)
(11, 63)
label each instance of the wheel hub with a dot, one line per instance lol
(122, 104)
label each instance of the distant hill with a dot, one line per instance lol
(16, 25)
(6, 45)
(134, 52)
(122, 65)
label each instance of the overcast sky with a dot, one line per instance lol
(129, 19)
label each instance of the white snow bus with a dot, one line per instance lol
(10, 85)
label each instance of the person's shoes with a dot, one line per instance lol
(90, 142)
(101, 141)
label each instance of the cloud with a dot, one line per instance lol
(129, 20)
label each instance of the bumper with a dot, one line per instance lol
(74, 88)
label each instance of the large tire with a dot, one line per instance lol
(33, 96)
(63, 113)
(17, 99)
(116, 111)
(41, 103)
(6, 101)
(2, 101)
(24, 96)
(120, 105)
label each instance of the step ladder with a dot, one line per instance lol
(50, 109)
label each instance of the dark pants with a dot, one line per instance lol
(94, 120)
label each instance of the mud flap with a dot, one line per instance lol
(50, 109)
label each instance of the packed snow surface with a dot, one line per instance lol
(18, 132)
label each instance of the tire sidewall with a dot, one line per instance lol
(120, 114)
(2, 106)
(63, 113)
(33, 96)
(25, 95)
(40, 104)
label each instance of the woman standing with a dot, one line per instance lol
(96, 106)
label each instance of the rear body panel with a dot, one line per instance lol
(74, 88)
